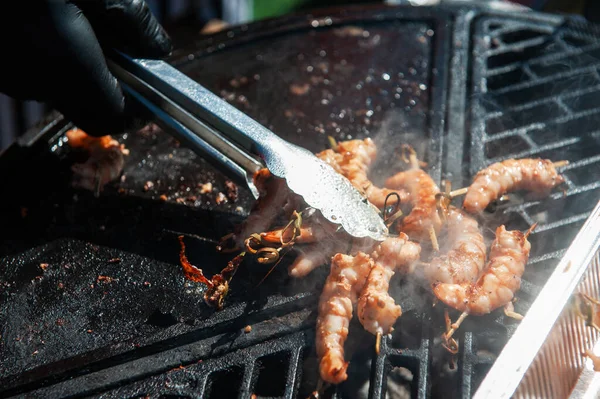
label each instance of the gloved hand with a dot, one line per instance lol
(52, 51)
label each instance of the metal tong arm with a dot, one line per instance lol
(169, 95)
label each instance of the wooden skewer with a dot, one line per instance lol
(559, 164)
(332, 142)
(316, 394)
(530, 230)
(509, 311)
(454, 326)
(459, 192)
(378, 342)
(433, 238)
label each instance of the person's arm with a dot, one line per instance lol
(53, 53)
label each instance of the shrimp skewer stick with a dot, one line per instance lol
(377, 310)
(346, 278)
(497, 285)
(353, 159)
(535, 175)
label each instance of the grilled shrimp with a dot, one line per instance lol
(377, 310)
(421, 191)
(535, 175)
(502, 278)
(105, 160)
(466, 258)
(346, 278)
(352, 159)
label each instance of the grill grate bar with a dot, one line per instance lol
(294, 372)
(573, 219)
(581, 163)
(544, 59)
(521, 131)
(518, 46)
(379, 368)
(541, 148)
(546, 100)
(248, 380)
(550, 255)
(590, 69)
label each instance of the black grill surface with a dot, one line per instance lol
(466, 87)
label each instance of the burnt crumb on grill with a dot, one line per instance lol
(60, 286)
(114, 260)
(299, 89)
(238, 82)
(43, 266)
(205, 188)
(105, 279)
(221, 198)
(149, 130)
(89, 331)
(148, 186)
(248, 329)
(232, 190)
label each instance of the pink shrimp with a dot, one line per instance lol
(422, 190)
(466, 258)
(534, 175)
(498, 284)
(346, 278)
(377, 310)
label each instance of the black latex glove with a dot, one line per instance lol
(52, 52)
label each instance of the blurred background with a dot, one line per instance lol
(183, 18)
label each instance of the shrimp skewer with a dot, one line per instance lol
(466, 258)
(498, 284)
(352, 159)
(346, 278)
(535, 175)
(377, 310)
(423, 221)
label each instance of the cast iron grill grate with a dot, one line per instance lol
(530, 87)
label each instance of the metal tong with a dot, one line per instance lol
(239, 146)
